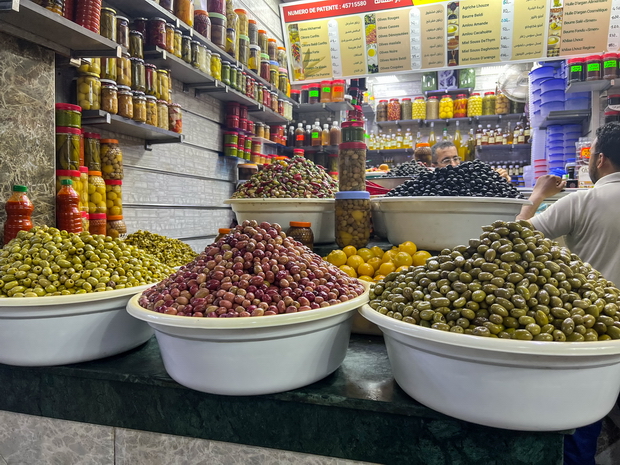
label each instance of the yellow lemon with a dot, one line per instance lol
(377, 251)
(420, 257)
(337, 257)
(349, 250)
(354, 261)
(403, 259)
(375, 262)
(378, 277)
(388, 256)
(365, 269)
(348, 270)
(366, 278)
(96, 198)
(365, 253)
(408, 247)
(387, 268)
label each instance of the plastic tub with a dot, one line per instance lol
(58, 330)
(255, 355)
(378, 220)
(576, 95)
(546, 108)
(439, 369)
(577, 104)
(434, 223)
(552, 96)
(391, 183)
(555, 129)
(319, 212)
(552, 84)
(542, 72)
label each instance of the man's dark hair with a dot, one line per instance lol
(440, 146)
(608, 142)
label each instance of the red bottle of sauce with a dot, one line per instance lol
(68, 216)
(18, 208)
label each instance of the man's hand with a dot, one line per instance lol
(548, 185)
(503, 173)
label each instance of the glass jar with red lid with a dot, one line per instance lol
(460, 106)
(610, 65)
(593, 68)
(393, 110)
(314, 93)
(326, 91)
(338, 89)
(97, 223)
(575, 69)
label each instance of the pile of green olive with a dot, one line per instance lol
(172, 252)
(45, 261)
(512, 283)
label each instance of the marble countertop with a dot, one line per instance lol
(358, 412)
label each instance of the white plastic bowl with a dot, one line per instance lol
(518, 385)
(434, 223)
(58, 330)
(319, 212)
(378, 220)
(254, 355)
(391, 183)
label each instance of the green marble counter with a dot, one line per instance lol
(358, 412)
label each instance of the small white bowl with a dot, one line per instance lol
(254, 355)
(58, 330)
(511, 384)
(320, 213)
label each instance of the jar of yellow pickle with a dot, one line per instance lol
(446, 107)
(163, 84)
(151, 110)
(109, 96)
(123, 70)
(502, 104)
(216, 66)
(83, 192)
(474, 105)
(488, 103)
(254, 58)
(170, 38)
(114, 196)
(111, 159)
(90, 65)
(88, 91)
(96, 193)
(108, 69)
(125, 102)
(178, 43)
(162, 114)
(418, 108)
(139, 107)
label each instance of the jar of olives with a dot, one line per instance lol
(353, 221)
(125, 102)
(406, 109)
(68, 148)
(123, 70)
(116, 227)
(352, 166)
(96, 193)
(162, 114)
(488, 103)
(114, 196)
(92, 149)
(151, 110)
(446, 107)
(474, 105)
(502, 104)
(88, 91)
(111, 159)
(109, 96)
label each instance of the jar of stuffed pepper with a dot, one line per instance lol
(460, 106)
(156, 33)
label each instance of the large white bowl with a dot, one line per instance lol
(378, 220)
(518, 385)
(391, 183)
(58, 330)
(319, 212)
(434, 223)
(254, 355)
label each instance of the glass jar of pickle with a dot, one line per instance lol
(253, 31)
(69, 116)
(175, 118)
(186, 49)
(90, 65)
(382, 111)
(263, 41)
(226, 72)
(88, 91)
(446, 107)
(123, 70)
(231, 41)
(83, 192)
(139, 107)
(115, 226)
(418, 108)
(156, 33)
(108, 69)
(111, 159)
(138, 75)
(96, 193)
(272, 49)
(68, 148)
(243, 49)
(85, 221)
(406, 108)
(432, 107)
(273, 73)
(122, 31)
(184, 10)
(162, 114)
(216, 66)
(107, 23)
(254, 58)
(460, 106)
(109, 96)
(114, 196)
(92, 151)
(283, 83)
(282, 59)
(125, 102)
(274, 100)
(301, 232)
(474, 105)
(488, 103)
(97, 224)
(151, 110)
(136, 44)
(150, 79)
(163, 84)
(196, 55)
(502, 104)
(178, 43)
(393, 110)
(232, 75)
(353, 222)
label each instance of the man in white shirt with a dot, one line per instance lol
(590, 222)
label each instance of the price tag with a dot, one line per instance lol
(334, 47)
(613, 42)
(505, 44)
(415, 39)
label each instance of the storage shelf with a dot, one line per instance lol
(440, 92)
(310, 149)
(588, 86)
(315, 107)
(128, 127)
(407, 151)
(181, 70)
(566, 117)
(264, 141)
(505, 147)
(39, 25)
(448, 121)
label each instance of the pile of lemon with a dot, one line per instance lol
(374, 264)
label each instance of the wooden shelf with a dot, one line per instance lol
(39, 25)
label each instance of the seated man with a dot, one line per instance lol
(445, 153)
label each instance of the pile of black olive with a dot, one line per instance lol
(469, 179)
(409, 168)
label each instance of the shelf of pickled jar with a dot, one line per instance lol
(440, 92)
(561, 117)
(329, 106)
(313, 149)
(37, 24)
(589, 86)
(468, 120)
(150, 134)
(403, 151)
(180, 69)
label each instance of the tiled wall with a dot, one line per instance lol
(26, 439)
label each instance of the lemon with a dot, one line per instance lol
(96, 198)
(366, 269)
(337, 257)
(349, 250)
(375, 262)
(348, 270)
(354, 261)
(443, 115)
(408, 247)
(388, 256)
(378, 277)
(377, 251)
(365, 253)
(403, 259)
(420, 257)
(387, 268)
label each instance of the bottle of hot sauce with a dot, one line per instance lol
(19, 209)
(68, 216)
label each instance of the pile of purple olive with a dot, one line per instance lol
(256, 270)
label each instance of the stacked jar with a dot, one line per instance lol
(352, 157)
(488, 103)
(418, 108)
(474, 105)
(88, 14)
(353, 221)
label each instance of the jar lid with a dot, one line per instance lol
(139, 95)
(114, 182)
(298, 151)
(295, 91)
(406, 99)
(68, 173)
(339, 81)
(461, 96)
(241, 11)
(593, 58)
(122, 18)
(252, 21)
(64, 130)
(109, 141)
(92, 135)
(18, 188)
(475, 93)
(86, 73)
(262, 31)
(352, 145)
(353, 195)
(300, 224)
(157, 19)
(575, 60)
(422, 144)
(223, 230)
(217, 15)
(68, 106)
(315, 84)
(393, 100)
(97, 216)
(84, 169)
(489, 93)
(111, 10)
(133, 32)
(612, 113)
(151, 97)
(115, 218)
(446, 96)
(108, 82)
(305, 87)
(433, 97)
(94, 173)
(610, 55)
(139, 60)
(201, 13)
(254, 47)
(84, 214)
(124, 88)
(348, 124)
(284, 71)
(274, 62)
(271, 40)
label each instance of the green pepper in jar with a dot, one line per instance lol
(68, 148)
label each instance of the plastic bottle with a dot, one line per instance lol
(445, 136)
(308, 135)
(399, 139)
(335, 137)
(19, 209)
(299, 135)
(68, 216)
(325, 135)
(431, 136)
(316, 135)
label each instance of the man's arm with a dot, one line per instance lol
(546, 186)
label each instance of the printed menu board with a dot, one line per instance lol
(344, 38)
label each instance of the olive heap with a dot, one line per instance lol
(409, 168)
(255, 270)
(512, 283)
(470, 179)
(172, 252)
(45, 261)
(297, 178)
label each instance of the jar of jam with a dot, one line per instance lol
(162, 114)
(460, 106)
(122, 31)
(123, 70)
(610, 65)
(575, 69)
(156, 35)
(136, 44)
(125, 102)
(151, 110)
(593, 68)
(139, 107)
(107, 23)
(474, 105)
(109, 96)
(139, 24)
(301, 231)
(138, 75)
(393, 110)
(202, 24)
(432, 107)
(488, 103)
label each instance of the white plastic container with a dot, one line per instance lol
(511, 384)
(378, 220)
(319, 212)
(434, 223)
(254, 355)
(58, 330)
(391, 183)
